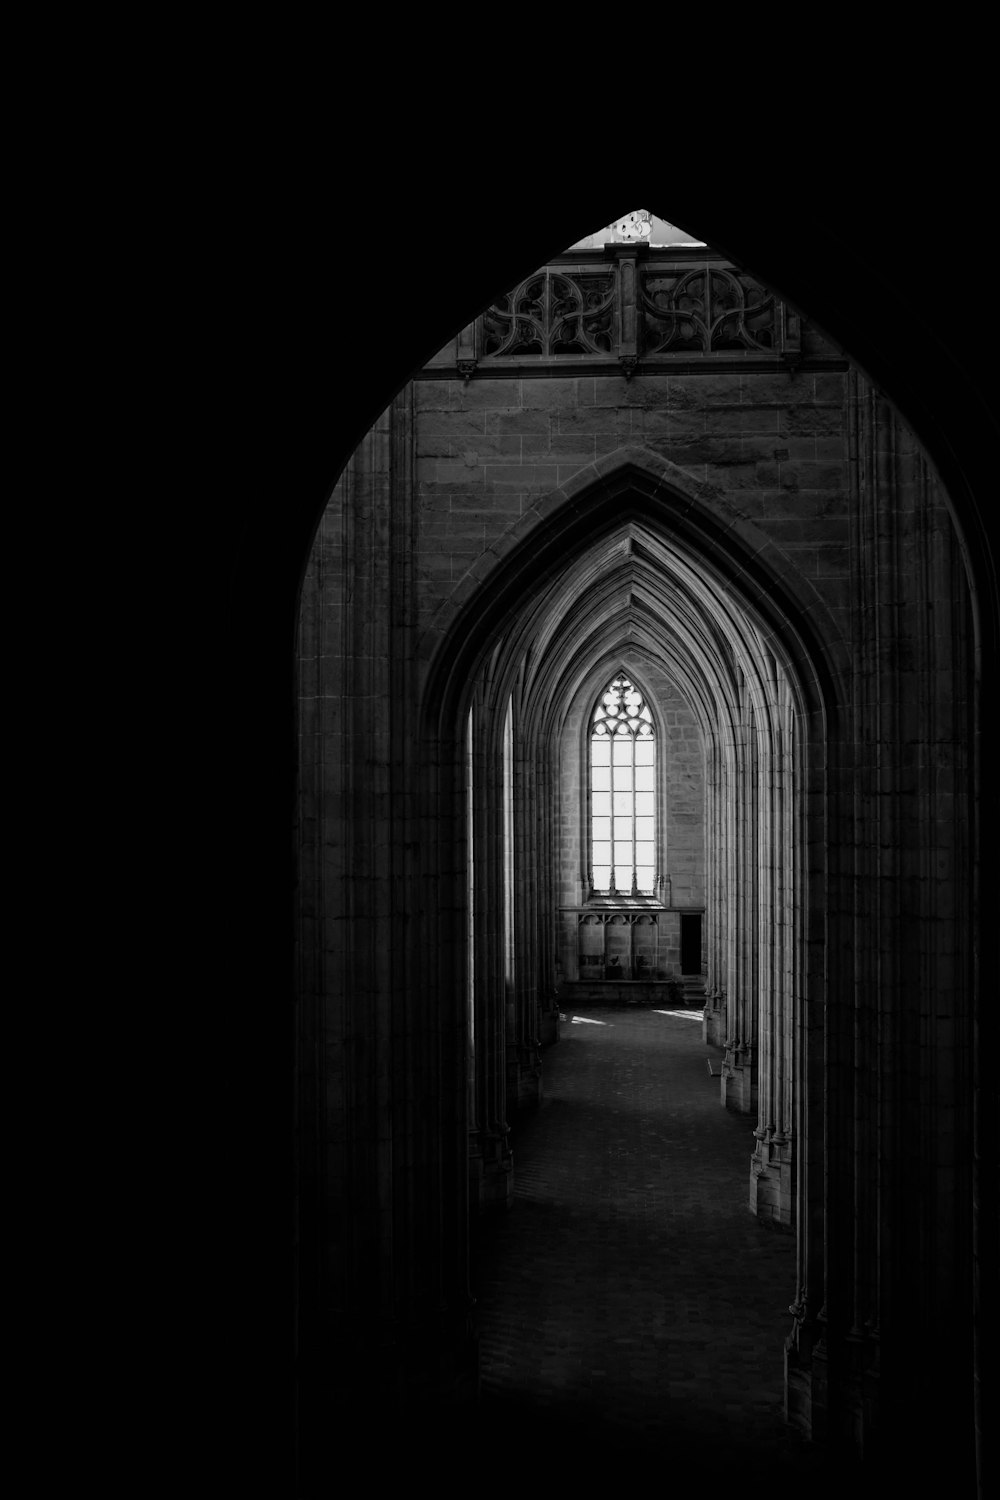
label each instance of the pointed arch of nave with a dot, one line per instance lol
(493, 645)
(706, 515)
(962, 499)
(639, 565)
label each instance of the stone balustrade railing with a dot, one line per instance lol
(635, 310)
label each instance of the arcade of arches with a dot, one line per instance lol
(640, 463)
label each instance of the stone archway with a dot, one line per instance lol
(635, 561)
(431, 1044)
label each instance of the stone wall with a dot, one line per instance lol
(490, 452)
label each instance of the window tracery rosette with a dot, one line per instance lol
(622, 792)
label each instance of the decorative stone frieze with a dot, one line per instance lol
(552, 314)
(705, 309)
(672, 305)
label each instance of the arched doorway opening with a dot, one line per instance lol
(635, 569)
(395, 959)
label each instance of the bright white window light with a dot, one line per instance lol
(622, 792)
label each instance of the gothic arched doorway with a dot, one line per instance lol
(440, 1039)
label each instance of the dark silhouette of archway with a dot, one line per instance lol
(642, 520)
(300, 421)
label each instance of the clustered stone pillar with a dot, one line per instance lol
(739, 1070)
(491, 1178)
(532, 899)
(772, 1187)
(879, 1343)
(382, 1102)
(515, 943)
(714, 1018)
(754, 953)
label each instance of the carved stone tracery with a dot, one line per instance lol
(553, 313)
(706, 310)
(635, 313)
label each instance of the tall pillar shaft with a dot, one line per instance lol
(738, 1085)
(772, 1166)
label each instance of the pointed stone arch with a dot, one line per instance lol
(635, 484)
(843, 1204)
(484, 647)
(675, 579)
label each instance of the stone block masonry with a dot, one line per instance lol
(490, 448)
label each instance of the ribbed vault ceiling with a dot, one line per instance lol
(644, 592)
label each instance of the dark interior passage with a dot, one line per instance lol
(630, 1305)
(691, 943)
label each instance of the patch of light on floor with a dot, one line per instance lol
(589, 1020)
(688, 1015)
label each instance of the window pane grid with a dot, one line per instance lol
(623, 788)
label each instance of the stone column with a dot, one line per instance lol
(528, 882)
(881, 1347)
(491, 1161)
(738, 1085)
(547, 968)
(383, 1092)
(714, 1015)
(772, 1164)
(805, 1347)
(491, 1175)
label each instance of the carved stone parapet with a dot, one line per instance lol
(554, 313)
(706, 309)
(636, 306)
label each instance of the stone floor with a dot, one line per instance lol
(631, 1309)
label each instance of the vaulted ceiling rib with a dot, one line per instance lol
(640, 591)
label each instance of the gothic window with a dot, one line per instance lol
(622, 792)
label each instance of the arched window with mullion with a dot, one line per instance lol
(622, 791)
